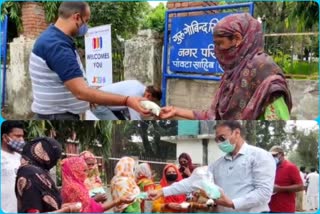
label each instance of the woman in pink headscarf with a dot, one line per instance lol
(252, 86)
(74, 190)
(93, 181)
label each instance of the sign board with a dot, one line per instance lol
(3, 58)
(98, 56)
(192, 45)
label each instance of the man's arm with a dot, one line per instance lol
(82, 91)
(297, 183)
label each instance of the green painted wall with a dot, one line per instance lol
(188, 127)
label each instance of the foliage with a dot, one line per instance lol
(308, 13)
(125, 17)
(283, 60)
(155, 19)
(308, 147)
(150, 133)
(265, 134)
(13, 10)
(89, 133)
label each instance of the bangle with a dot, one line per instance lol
(126, 100)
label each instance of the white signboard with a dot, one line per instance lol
(98, 56)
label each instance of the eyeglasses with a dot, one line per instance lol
(275, 155)
(220, 139)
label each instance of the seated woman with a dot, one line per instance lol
(73, 188)
(123, 183)
(35, 190)
(93, 182)
(169, 204)
(144, 180)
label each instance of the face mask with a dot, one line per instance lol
(171, 177)
(276, 159)
(83, 29)
(226, 146)
(15, 145)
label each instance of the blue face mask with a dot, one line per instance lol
(83, 29)
(226, 146)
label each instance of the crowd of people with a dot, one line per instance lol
(247, 178)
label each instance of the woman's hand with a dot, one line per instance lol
(125, 200)
(100, 197)
(71, 207)
(187, 171)
(167, 112)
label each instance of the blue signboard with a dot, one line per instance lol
(192, 46)
(3, 57)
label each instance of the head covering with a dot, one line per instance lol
(251, 79)
(164, 183)
(43, 152)
(188, 158)
(276, 150)
(123, 183)
(143, 171)
(34, 187)
(73, 188)
(93, 181)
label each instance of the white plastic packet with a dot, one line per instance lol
(202, 179)
(184, 205)
(153, 107)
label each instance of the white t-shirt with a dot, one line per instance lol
(9, 167)
(313, 186)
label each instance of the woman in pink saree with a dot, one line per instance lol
(74, 173)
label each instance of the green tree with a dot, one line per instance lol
(125, 17)
(308, 147)
(155, 19)
(151, 133)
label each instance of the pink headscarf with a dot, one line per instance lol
(73, 188)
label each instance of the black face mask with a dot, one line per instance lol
(171, 177)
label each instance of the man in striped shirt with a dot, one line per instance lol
(60, 91)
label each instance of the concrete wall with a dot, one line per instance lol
(142, 59)
(19, 89)
(198, 94)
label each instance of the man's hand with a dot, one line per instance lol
(134, 103)
(224, 201)
(155, 194)
(174, 206)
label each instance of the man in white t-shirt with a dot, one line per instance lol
(12, 142)
(313, 189)
(130, 88)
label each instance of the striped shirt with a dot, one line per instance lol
(53, 61)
